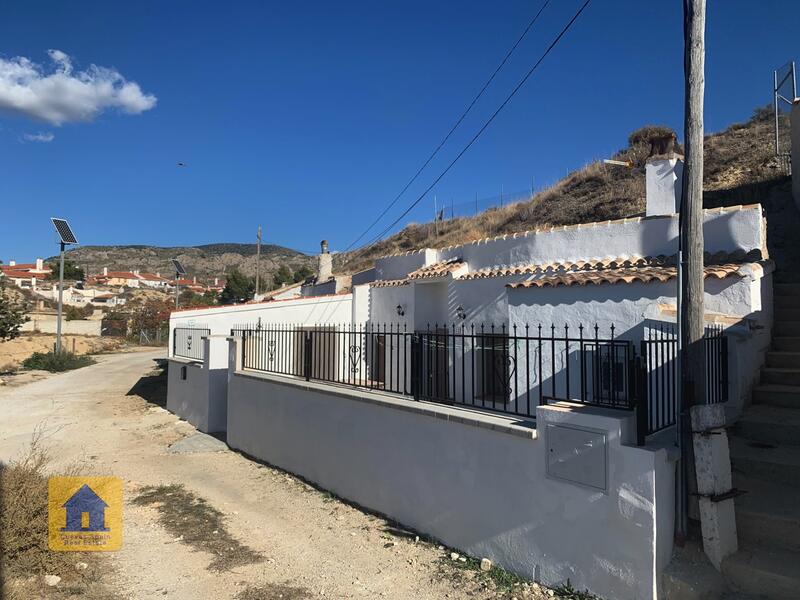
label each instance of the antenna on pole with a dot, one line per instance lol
(66, 238)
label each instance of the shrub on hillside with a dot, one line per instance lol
(56, 362)
(77, 313)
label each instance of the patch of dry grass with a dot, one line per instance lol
(274, 591)
(192, 520)
(25, 558)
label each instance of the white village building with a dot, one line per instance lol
(513, 397)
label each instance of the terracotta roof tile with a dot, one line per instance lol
(598, 264)
(389, 283)
(439, 269)
(629, 274)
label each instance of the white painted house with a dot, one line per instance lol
(497, 395)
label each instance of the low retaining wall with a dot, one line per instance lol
(77, 327)
(477, 482)
(198, 392)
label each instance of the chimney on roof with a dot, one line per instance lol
(325, 270)
(158, 274)
(216, 280)
(12, 263)
(39, 264)
(194, 279)
(663, 177)
(105, 271)
(136, 272)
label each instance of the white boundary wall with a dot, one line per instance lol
(725, 230)
(338, 309)
(201, 398)
(476, 482)
(77, 327)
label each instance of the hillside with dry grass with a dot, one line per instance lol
(739, 164)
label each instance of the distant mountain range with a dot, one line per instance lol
(205, 262)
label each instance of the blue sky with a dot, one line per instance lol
(309, 117)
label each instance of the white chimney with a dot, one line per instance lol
(663, 176)
(105, 271)
(663, 185)
(39, 264)
(12, 263)
(325, 270)
(136, 272)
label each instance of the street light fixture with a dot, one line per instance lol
(66, 238)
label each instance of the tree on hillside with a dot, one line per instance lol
(149, 316)
(238, 288)
(12, 316)
(302, 273)
(282, 276)
(189, 298)
(72, 272)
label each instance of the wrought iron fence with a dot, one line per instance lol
(187, 342)
(659, 352)
(493, 368)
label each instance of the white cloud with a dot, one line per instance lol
(38, 137)
(63, 95)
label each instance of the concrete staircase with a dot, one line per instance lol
(765, 457)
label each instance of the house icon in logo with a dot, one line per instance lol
(85, 502)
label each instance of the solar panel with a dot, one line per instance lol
(64, 231)
(178, 267)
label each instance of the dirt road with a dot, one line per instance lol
(310, 544)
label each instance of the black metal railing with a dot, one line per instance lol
(493, 368)
(187, 342)
(659, 351)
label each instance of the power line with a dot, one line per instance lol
(454, 127)
(487, 123)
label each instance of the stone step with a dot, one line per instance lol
(783, 360)
(777, 395)
(786, 289)
(782, 343)
(786, 328)
(779, 464)
(763, 572)
(768, 514)
(788, 313)
(770, 424)
(780, 376)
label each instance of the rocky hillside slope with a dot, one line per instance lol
(740, 166)
(212, 260)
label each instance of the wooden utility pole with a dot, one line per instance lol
(258, 258)
(691, 247)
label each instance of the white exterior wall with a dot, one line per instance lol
(397, 267)
(202, 398)
(49, 325)
(475, 482)
(307, 311)
(724, 230)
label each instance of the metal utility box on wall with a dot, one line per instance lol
(577, 455)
